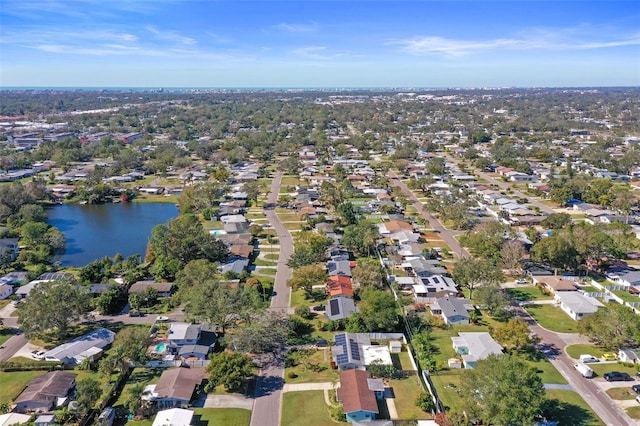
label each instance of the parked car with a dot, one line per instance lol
(585, 358)
(616, 376)
(37, 354)
(609, 356)
(135, 314)
(522, 281)
(636, 388)
(638, 399)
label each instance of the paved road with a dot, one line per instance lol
(553, 347)
(447, 235)
(507, 185)
(11, 346)
(270, 382)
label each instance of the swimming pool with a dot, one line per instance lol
(217, 232)
(161, 347)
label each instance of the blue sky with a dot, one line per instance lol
(338, 43)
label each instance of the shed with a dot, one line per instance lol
(395, 347)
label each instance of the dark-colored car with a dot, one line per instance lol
(616, 376)
(636, 388)
(135, 314)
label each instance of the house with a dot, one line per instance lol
(424, 267)
(14, 278)
(140, 287)
(452, 310)
(175, 388)
(624, 276)
(577, 305)
(347, 352)
(182, 333)
(45, 420)
(475, 346)
(339, 267)
(339, 285)
(628, 355)
(6, 290)
(10, 419)
(430, 288)
(358, 400)
(241, 250)
(393, 226)
(194, 351)
(90, 345)
(235, 266)
(553, 284)
(174, 417)
(9, 246)
(46, 392)
(340, 308)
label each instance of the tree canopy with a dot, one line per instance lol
(502, 390)
(612, 327)
(230, 369)
(52, 306)
(471, 273)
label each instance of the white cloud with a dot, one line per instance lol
(297, 28)
(539, 39)
(170, 36)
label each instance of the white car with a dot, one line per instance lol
(522, 281)
(37, 354)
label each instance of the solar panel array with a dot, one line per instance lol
(355, 354)
(341, 339)
(342, 359)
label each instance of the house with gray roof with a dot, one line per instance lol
(182, 333)
(340, 308)
(474, 347)
(339, 267)
(46, 392)
(452, 310)
(347, 351)
(576, 304)
(90, 345)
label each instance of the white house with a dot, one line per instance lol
(182, 333)
(88, 346)
(474, 347)
(628, 355)
(5, 291)
(577, 305)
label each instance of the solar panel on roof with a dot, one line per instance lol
(342, 359)
(334, 309)
(341, 339)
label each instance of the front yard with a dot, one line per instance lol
(222, 416)
(305, 407)
(14, 382)
(552, 318)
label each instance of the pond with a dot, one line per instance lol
(96, 231)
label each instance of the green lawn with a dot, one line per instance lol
(271, 256)
(548, 372)
(14, 382)
(268, 271)
(571, 409)
(263, 262)
(307, 405)
(634, 412)
(552, 318)
(307, 375)
(621, 393)
(447, 383)
(601, 368)
(294, 226)
(139, 375)
(222, 416)
(290, 180)
(6, 333)
(526, 294)
(626, 296)
(402, 361)
(406, 391)
(574, 351)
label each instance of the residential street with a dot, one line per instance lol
(270, 382)
(553, 347)
(507, 185)
(447, 235)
